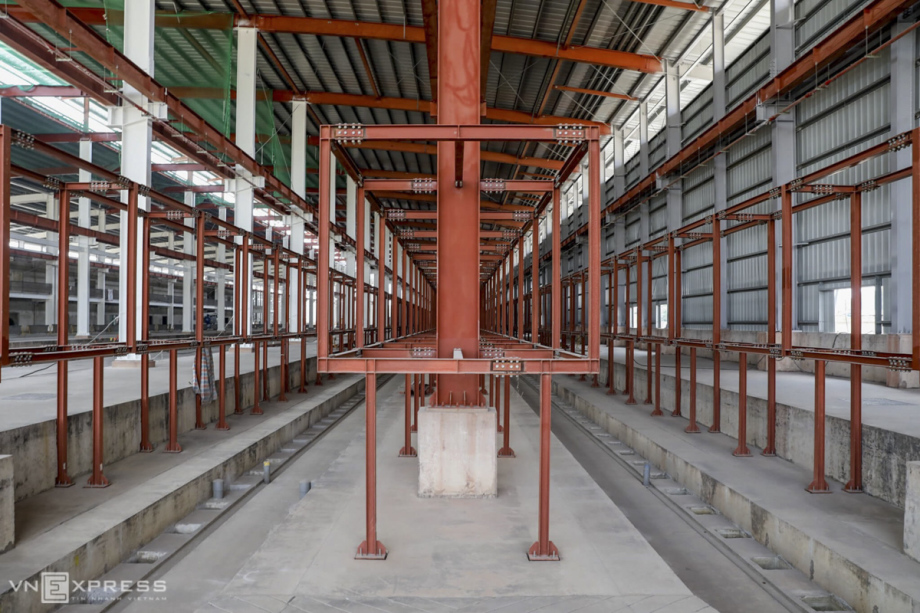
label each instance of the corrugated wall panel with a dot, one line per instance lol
(748, 71)
(657, 150)
(697, 116)
(698, 193)
(815, 18)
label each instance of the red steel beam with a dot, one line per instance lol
(594, 92)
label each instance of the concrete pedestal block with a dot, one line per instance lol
(912, 511)
(7, 498)
(457, 453)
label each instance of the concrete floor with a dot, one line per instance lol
(280, 554)
(29, 394)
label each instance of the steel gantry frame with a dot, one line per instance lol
(248, 255)
(813, 190)
(503, 349)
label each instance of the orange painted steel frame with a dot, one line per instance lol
(734, 219)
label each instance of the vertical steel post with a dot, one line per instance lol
(915, 250)
(62, 479)
(693, 428)
(535, 275)
(238, 326)
(787, 247)
(326, 201)
(371, 548)
(199, 312)
(145, 446)
(657, 410)
(172, 446)
(520, 286)
(594, 250)
(544, 549)
(497, 398)
(6, 139)
(506, 451)
(742, 449)
(819, 483)
(770, 447)
(674, 311)
(716, 326)
(407, 451)
(556, 289)
(97, 479)
(854, 485)
(256, 385)
(381, 280)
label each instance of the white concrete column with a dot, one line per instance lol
(188, 267)
(137, 141)
(171, 310)
(247, 46)
(52, 211)
(672, 100)
(299, 185)
(720, 172)
(718, 66)
(619, 164)
(643, 138)
(84, 221)
(903, 104)
(100, 306)
(221, 277)
(782, 48)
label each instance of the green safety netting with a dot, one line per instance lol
(194, 56)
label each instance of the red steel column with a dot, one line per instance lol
(238, 329)
(544, 549)
(199, 311)
(594, 250)
(770, 447)
(675, 311)
(742, 449)
(787, 296)
(819, 483)
(854, 485)
(716, 327)
(394, 304)
(459, 44)
(172, 446)
(323, 297)
(359, 264)
(6, 139)
(506, 451)
(407, 451)
(556, 288)
(648, 333)
(62, 479)
(381, 281)
(692, 428)
(520, 285)
(146, 446)
(404, 305)
(535, 277)
(97, 479)
(371, 548)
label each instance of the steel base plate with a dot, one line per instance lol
(379, 554)
(552, 556)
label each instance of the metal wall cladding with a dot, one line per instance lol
(697, 116)
(747, 72)
(746, 310)
(698, 193)
(749, 168)
(658, 150)
(660, 278)
(633, 226)
(633, 170)
(816, 18)
(658, 216)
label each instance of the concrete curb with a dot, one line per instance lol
(96, 542)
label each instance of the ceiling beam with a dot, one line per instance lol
(487, 18)
(594, 92)
(687, 6)
(281, 24)
(430, 28)
(396, 104)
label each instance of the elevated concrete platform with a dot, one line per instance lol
(28, 405)
(88, 531)
(850, 545)
(891, 430)
(444, 554)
